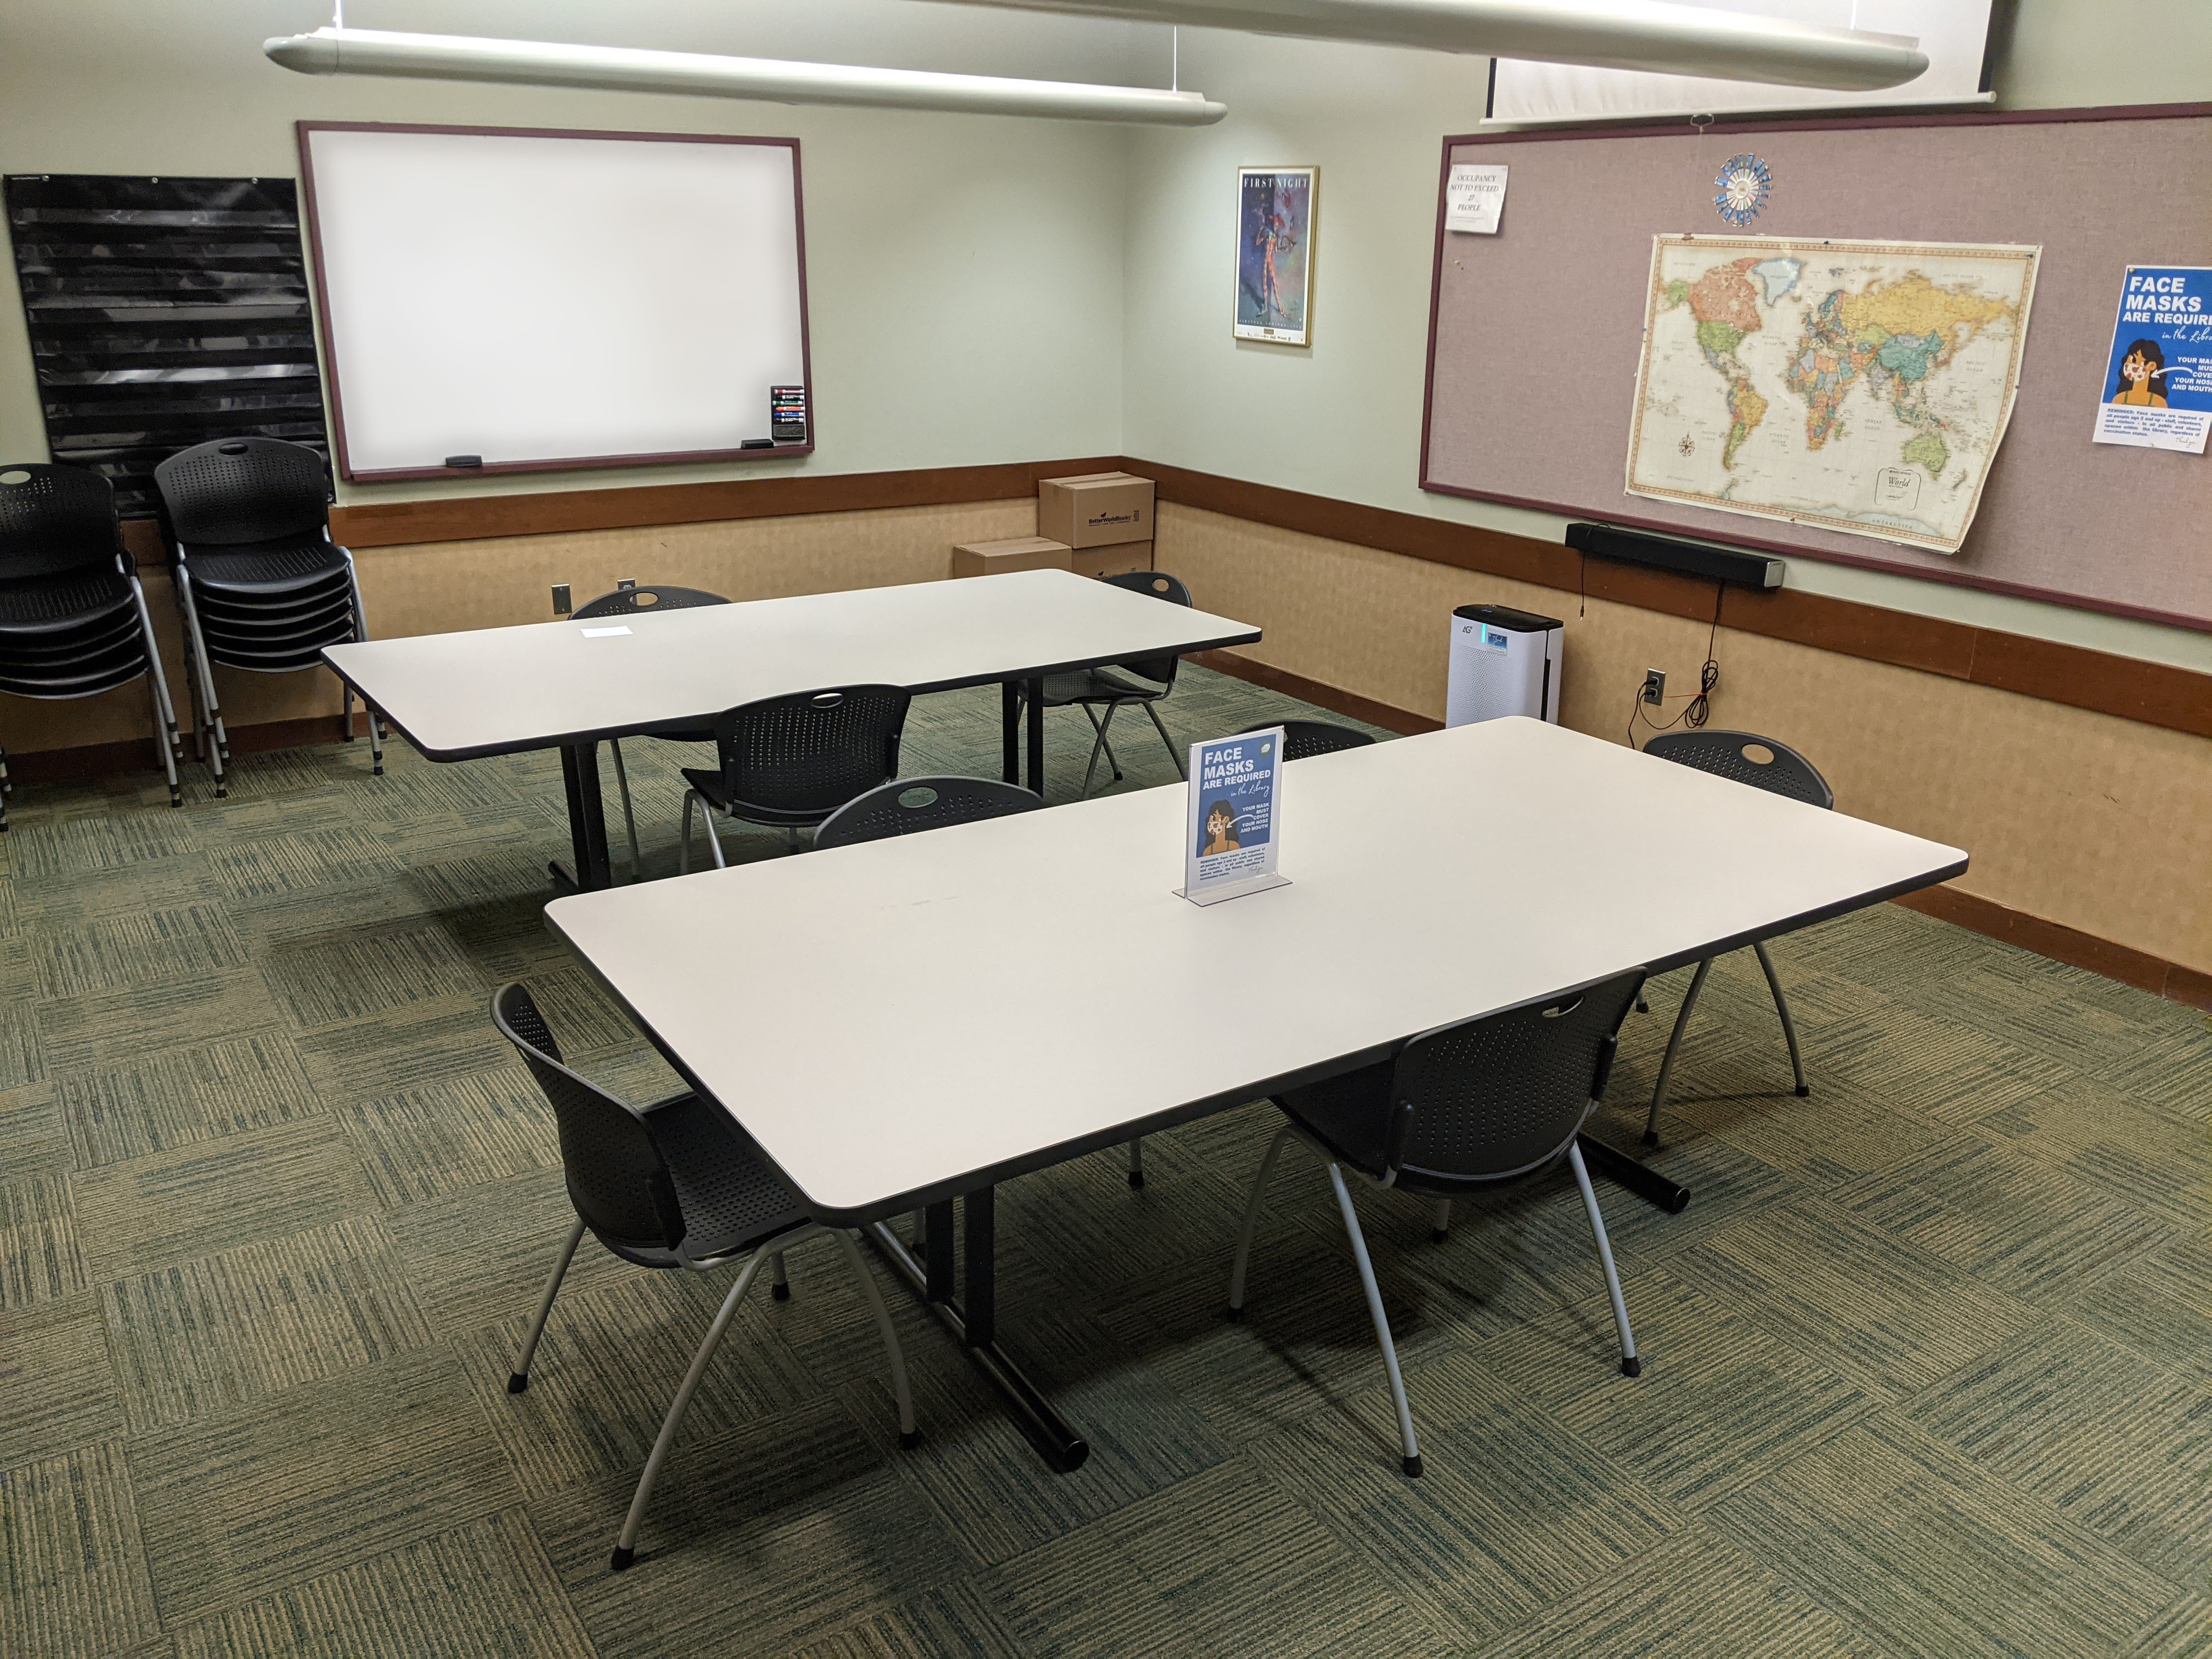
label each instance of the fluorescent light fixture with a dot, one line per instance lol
(621, 69)
(1627, 34)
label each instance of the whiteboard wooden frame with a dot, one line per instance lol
(330, 365)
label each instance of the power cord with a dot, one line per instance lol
(1699, 708)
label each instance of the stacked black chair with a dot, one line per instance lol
(631, 600)
(906, 806)
(788, 762)
(1460, 1108)
(1140, 683)
(1304, 739)
(260, 582)
(1779, 770)
(671, 1185)
(73, 618)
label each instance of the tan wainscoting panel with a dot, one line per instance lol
(436, 587)
(2099, 823)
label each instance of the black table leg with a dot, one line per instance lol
(588, 821)
(1645, 1182)
(1035, 692)
(937, 1244)
(1010, 731)
(973, 1324)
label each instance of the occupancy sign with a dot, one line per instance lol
(2157, 384)
(1234, 829)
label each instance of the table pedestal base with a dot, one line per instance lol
(1646, 1183)
(971, 1324)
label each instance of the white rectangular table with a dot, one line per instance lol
(571, 685)
(886, 1037)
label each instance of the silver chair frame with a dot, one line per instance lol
(625, 1550)
(1410, 1459)
(1682, 1021)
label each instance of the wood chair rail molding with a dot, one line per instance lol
(2155, 693)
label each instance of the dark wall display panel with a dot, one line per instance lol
(164, 313)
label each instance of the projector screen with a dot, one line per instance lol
(547, 300)
(1955, 33)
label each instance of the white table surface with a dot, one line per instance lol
(496, 690)
(895, 1018)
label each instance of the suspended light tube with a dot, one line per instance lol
(1629, 34)
(772, 80)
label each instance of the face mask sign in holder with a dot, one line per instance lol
(1233, 830)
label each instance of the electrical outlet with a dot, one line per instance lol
(1655, 685)
(561, 604)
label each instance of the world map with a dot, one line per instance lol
(1856, 387)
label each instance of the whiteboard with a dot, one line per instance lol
(548, 299)
(1955, 33)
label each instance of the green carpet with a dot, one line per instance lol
(1926, 1359)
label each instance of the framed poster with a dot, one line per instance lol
(1275, 253)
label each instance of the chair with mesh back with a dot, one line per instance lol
(631, 600)
(1460, 1107)
(906, 806)
(1764, 764)
(261, 585)
(73, 617)
(788, 762)
(1304, 739)
(1140, 683)
(671, 1185)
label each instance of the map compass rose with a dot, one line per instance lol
(1744, 186)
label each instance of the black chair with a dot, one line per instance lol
(788, 762)
(1460, 1107)
(73, 617)
(669, 1185)
(630, 600)
(906, 806)
(261, 585)
(1139, 683)
(1764, 764)
(1304, 739)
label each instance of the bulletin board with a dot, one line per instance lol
(1535, 332)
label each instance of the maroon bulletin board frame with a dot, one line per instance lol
(1773, 124)
(564, 464)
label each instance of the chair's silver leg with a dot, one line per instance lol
(624, 1552)
(1782, 1008)
(1630, 1365)
(1174, 753)
(909, 1436)
(1411, 1461)
(519, 1378)
(630, 817)
(1137, 1162)
(220, 737)
(165, 712)
(713, 835)
(684, 846)
(1673, 1042)
(1251, 1221)
(1099, 744)
(778, 1282)
(1113, 764)
(1440, 1221)
(791, 838)
(368, 708)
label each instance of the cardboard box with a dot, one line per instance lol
(1095, 509)
(1016, 553)
(1116, 559)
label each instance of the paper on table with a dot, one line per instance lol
(1475, 196)
(603, 633)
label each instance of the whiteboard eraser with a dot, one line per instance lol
(758, 443)
(464, 460)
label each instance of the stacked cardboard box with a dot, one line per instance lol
(1105, 519)
(1098, 523)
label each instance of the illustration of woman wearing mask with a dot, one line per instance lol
(2137, 383)
(1219, 835)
